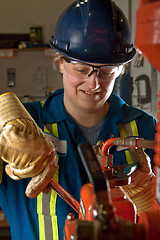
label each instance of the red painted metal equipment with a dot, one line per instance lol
(104, 208)
(104, 211)
(148, 30)
(148, 42)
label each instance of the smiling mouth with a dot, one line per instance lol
(91, 93)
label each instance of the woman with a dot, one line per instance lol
(92, 43)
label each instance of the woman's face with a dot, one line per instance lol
(83, 89)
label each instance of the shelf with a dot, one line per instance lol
(30, 49)
(10, 52)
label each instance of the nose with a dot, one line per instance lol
(93, 81)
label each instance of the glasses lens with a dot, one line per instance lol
(77, 69)
(106, 72)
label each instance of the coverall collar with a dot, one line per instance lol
(53, 109)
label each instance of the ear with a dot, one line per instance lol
(61, 65)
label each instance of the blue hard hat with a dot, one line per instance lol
(94, 31)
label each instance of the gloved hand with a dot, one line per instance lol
(23, 145)
(25, 148)
(143, 173)
(41, 182)
(140, 189)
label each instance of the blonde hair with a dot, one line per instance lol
(56, 57)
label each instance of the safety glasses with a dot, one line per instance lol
(84, 71)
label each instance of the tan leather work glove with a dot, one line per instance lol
(26, 152)
(140, 189)
(23, 145)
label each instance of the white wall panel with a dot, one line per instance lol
(19, 15)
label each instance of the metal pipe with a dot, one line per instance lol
(66, 196)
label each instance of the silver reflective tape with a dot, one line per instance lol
(48, 228)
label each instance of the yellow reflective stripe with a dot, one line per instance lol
(45, 129)
(56, 178)
(128, 157)
(41, 227)
(53, 200)
(121, 130)
(54, 195)
(39, 203)
(55, 129)
(40, 217)
(123, 133)
(55, 227)
(134, 128)
(56, 175)
(42, 103)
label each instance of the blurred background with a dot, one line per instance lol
(28, 71)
